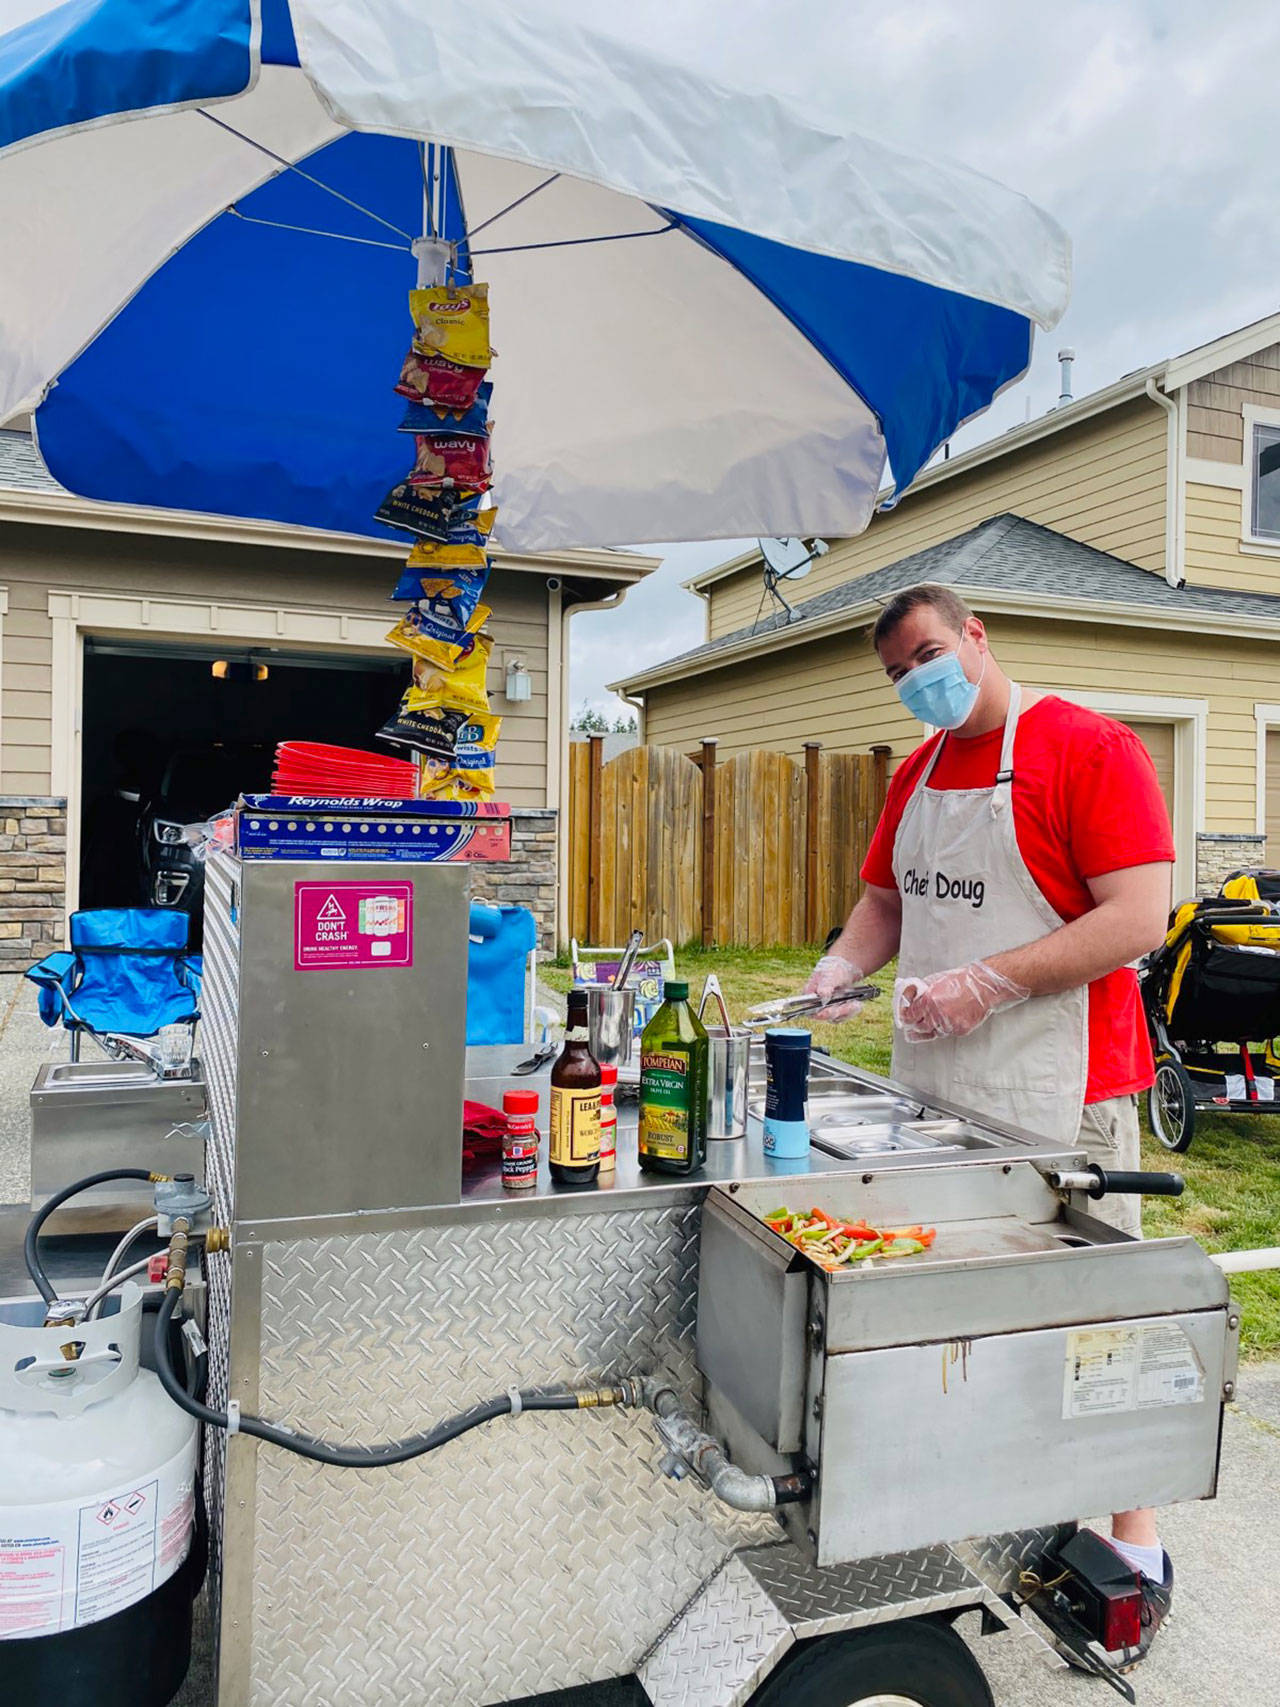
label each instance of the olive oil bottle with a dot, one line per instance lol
(674, 1055)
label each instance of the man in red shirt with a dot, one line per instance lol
(1022, 863)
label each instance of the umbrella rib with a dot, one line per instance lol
(290, 167)
(315, 231)
(511, 206)
(575, 242)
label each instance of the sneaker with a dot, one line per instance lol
(1157, 1599)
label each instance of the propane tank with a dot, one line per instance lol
(97, 1509)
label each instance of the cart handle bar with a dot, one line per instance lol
(1247, 1262)
(1099, 1181)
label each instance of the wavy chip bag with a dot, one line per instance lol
(431, 379)
(453, 322)
(446, 458)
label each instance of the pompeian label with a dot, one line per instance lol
(575, 1126)
(664, 1104)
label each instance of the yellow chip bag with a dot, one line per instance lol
(438, 643)
(458, 689)
(480, 734)
(453, 322)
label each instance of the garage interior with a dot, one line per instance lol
(176, 731)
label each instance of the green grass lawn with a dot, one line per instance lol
(1232, 1200)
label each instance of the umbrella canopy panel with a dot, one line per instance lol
(218, 291)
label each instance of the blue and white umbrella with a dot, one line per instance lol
(715, 314)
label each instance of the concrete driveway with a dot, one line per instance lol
(1222, 1646)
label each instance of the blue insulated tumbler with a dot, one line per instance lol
(786, 1058)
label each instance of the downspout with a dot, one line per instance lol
(1174, 557)
(568, 610)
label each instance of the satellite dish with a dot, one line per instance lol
(790, 557)
(787, 560)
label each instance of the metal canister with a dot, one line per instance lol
(610, 1023)
(728, 1068)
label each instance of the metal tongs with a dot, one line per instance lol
(791, 1007)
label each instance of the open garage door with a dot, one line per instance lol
(1158, 739)
(172, 734)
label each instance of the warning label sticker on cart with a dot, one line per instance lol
(339, 925)
(1130, 1369)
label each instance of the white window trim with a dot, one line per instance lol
(77, 614)
(1255, 415)
(1265, 717)
(1190, 720)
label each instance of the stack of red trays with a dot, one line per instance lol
(320, 772)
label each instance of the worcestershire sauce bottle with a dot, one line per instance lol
(575, 1102)
(674, 1054)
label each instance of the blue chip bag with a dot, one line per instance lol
(472, 423)
(451, 596)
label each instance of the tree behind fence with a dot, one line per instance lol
(782, 839)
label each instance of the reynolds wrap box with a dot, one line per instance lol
(289, 826)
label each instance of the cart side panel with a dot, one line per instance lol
(536, 1553)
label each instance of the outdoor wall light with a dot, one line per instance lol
(519, 686)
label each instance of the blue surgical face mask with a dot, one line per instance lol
(939, 692)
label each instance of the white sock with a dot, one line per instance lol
(1148, 1560)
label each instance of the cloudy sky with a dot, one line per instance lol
(1149, 128)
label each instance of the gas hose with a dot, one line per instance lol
(31, 1244)
(390, 1452)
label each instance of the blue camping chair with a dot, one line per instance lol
(501, 941)
(127, 972)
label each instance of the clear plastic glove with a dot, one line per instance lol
(832, 974)
(952, 1004)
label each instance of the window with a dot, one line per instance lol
(1265, 482)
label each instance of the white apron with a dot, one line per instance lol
(966, 895)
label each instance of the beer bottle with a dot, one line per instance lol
(575, 1102)
(674, 1059)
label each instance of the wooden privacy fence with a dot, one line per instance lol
(760, 849)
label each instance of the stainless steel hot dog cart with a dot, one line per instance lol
(912, 1434)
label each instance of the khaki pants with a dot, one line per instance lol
(1109, 1134)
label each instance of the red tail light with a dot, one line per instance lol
(1122, 1620)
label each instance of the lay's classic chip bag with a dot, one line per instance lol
(453, 321)
(459, 689)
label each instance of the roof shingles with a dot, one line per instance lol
(1011, 555)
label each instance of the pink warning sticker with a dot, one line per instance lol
(339, 925)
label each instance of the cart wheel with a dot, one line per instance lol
(913, 1663)
(1171, 1106)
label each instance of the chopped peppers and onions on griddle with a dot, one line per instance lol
(834, 1244)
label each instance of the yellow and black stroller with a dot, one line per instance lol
(1211, 993)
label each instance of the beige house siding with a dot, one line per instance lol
(1101, 482)
(37, 560)
(1214, 558)
(833, 691)
(1215, 425)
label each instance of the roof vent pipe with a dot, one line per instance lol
(1065, 358)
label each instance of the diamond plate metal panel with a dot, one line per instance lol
(218, 1042)
(873, 1591)
(534, 1554)
(1000, 1559)
(728, 1640)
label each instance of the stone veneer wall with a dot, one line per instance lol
(33, 866)
(528, 879)
(1218, 856)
